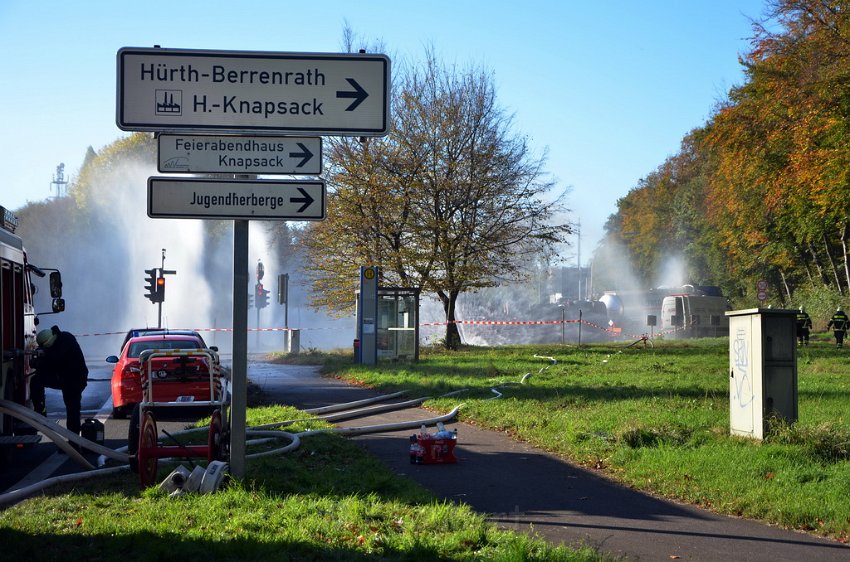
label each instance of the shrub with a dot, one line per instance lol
(819, 302)
(827, 442)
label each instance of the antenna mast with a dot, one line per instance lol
(59, 181)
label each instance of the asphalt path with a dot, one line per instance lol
(526, 489)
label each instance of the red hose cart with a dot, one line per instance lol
(161, 367)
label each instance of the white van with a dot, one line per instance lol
(695, 316)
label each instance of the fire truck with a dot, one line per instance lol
(18, 325)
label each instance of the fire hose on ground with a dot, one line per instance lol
(62, 436)
(177, 479)
(59, 435)
(524, 378)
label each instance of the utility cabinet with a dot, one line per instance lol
(762, 369)
(292, 341)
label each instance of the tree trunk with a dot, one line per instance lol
(804, 263)
(816, 263)
(832, 265)
(785, 284)
(844, 254)
(452, 333)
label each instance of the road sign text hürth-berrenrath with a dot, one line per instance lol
(243, 91)
(216, 154)
(193, 198)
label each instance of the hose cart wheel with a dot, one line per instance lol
(133, 431)
(215, 439)
(147, 443)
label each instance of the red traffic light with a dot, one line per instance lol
(160, 289)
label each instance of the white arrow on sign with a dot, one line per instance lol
(262, 92)
(216, 154)
(191, 198)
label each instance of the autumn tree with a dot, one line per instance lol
(664, 217)
(766, 180)
(782, 146)
(447, 202)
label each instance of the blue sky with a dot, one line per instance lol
(608, 88)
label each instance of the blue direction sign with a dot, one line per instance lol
(261, 92)
(192, 198)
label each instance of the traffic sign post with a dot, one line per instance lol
(761, 285)
(208, 154)
(194, 198)
(243, 91)
(239, 92)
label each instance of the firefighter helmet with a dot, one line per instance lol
(45, 338)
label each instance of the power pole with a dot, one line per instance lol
(578, 258)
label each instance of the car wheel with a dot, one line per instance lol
(119, 413)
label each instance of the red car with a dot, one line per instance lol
(175, 379)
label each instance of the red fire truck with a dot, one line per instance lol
(18, 323)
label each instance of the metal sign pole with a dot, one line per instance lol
(239, 404)
(181, 91)
(286, 301)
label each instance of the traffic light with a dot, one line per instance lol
(262, 296)
(151, 284)
(282, 288)
(160, 289)
(250, 299)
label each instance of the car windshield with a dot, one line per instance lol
(136, 332)
(136, 348)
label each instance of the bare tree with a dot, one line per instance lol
(448, 201)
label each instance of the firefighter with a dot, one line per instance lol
(59, 364)
(804, 324)
(838, 323)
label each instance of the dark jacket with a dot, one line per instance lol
(804, 321)
(838, 322)
(62, 365)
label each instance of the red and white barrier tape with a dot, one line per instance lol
(502, 322)
(614, 332)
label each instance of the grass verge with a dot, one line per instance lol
(655, 418)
